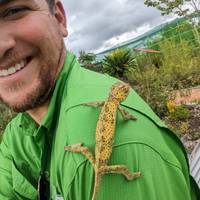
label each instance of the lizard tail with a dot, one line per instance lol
(96, 185)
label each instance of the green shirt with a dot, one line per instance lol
(145, 145)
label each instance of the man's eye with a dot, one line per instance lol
(14, 11)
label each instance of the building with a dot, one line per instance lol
(142, 40)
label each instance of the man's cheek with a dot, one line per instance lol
(35, 30)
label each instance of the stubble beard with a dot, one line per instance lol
(36, 97)
(42, 92)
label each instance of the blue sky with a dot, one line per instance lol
(96, 25)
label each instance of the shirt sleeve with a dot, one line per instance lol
(159, 178)
(6, 189)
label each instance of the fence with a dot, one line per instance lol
(172, 40)
(195, 163)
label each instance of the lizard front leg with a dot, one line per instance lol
(79, 148)
(119, 169)
(126, 115)
(94, 104)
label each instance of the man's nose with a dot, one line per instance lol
(7, 43)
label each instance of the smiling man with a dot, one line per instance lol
(44, 83)
(32, 52)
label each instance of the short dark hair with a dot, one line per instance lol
(51, 4)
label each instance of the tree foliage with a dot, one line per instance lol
(86, 58)
(189, 9)
(178, 7)
(119, 62)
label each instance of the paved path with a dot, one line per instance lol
(188, 95)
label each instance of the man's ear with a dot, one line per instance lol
(60, 16)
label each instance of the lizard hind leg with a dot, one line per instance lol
(119, 169)
(79, 148)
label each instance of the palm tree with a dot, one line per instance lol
(119, 62)
(86, 59)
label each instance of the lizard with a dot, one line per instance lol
(105, 130)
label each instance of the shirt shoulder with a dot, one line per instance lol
(87, 86)
(22, 124)
(14, 124)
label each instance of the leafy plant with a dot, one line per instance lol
(149, 84)
(5, 116)
(86, 58)
(88, 61)
(119, 63)
(184, 128)
(179, 66)
(181, 112)
(171, 106)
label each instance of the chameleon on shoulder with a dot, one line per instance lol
(105, 130)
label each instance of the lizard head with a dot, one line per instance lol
(119, 91)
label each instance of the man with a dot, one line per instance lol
(45, 84)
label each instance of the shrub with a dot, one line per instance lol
(181, 112)
(171, 106)
(150, 86)
(5, 116)
(119, 63)
(179, 67)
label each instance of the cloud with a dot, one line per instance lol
(95, 25)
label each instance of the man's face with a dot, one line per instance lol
(31, 52)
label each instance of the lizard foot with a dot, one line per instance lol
(74, 147)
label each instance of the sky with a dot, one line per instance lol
(95, 25)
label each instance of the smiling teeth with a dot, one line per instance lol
(13, 69)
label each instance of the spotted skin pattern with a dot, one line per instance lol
(105, 136)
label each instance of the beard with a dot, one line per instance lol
(36, 97)
(43, 90)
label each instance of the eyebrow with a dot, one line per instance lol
(3, 2)
(6, 2)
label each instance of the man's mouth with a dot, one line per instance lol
(15, 68)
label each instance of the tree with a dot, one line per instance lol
(86, 59)
(184, 8)
(179, 7)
